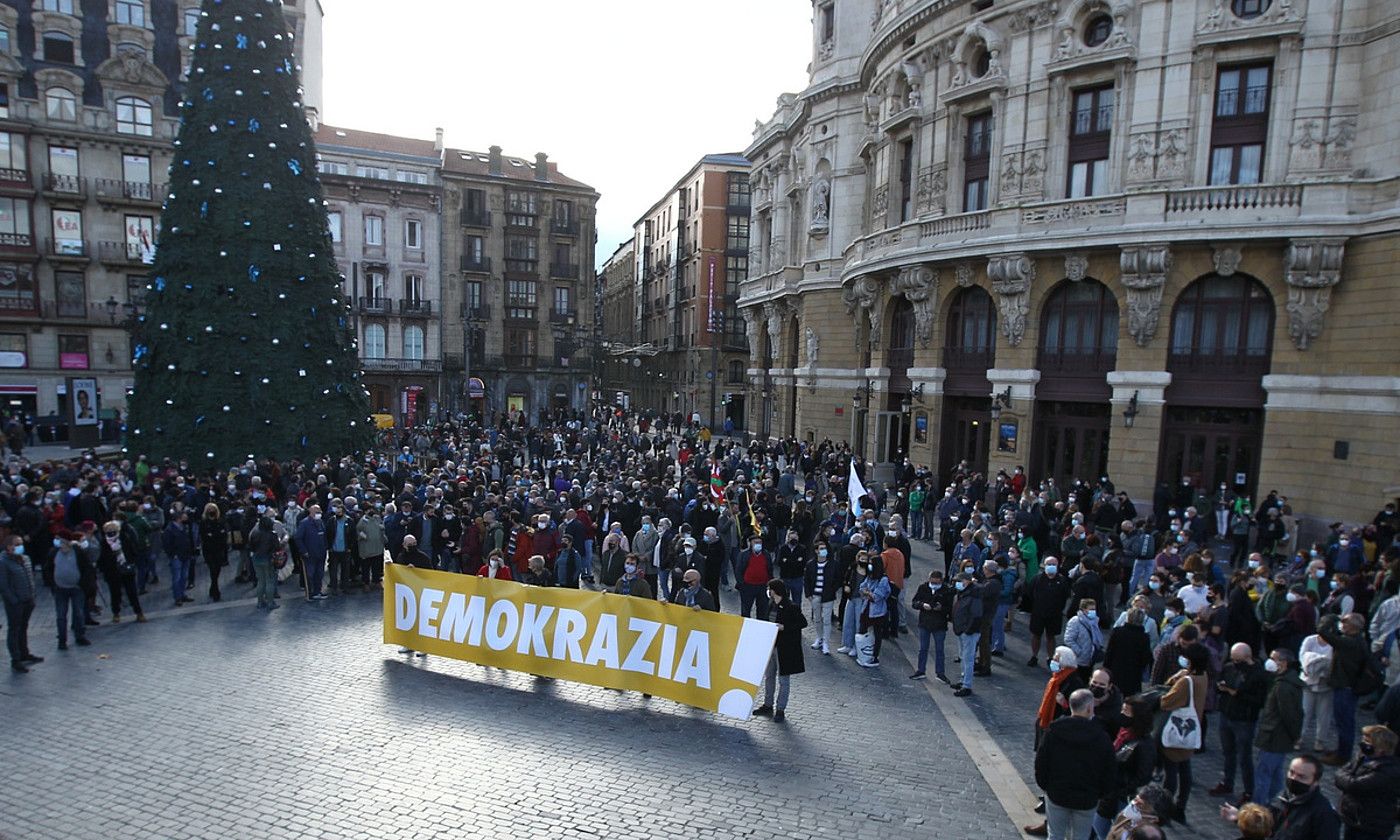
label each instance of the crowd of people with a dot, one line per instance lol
(1204, 616)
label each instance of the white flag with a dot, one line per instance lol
(854, 489)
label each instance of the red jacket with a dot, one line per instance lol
(502, 573)
(524, 547)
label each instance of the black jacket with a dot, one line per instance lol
(934, 619)
(1369, 789)
(967, 611)
(1133, 765)
(1309, 817)
(1127, 655)
(1348, 653)
(1075, 763)
(1049, 595)
(1251, 685)
(788, 616)
(831, 579)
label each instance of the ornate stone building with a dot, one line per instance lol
(1153, 240)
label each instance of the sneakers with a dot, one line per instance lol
(140, 618)
(779, 716)
(962, 692)
(826, 651)
(405, 650)
(63, 646)
(918, 675)
(83, 642)
(763, 711)
(874, 663)
(116, 619)
(843, 649)
(943, 678)
(817, 645)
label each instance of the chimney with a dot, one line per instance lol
(495, 160)
(541, 166)
(437, 141)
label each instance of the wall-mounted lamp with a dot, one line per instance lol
(1001, 401)
(1130, 413)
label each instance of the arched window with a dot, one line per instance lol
(61, 104)
(1222, 325)
(413, 343)
(133, 116)
(374, 341)
(901, 351)
(970, 340)
(1079, 328)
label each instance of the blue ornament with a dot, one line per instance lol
(295, 166)
(303, 441)
(254, 125)
(199, 420)
(254, 272)
(139, 352)
(203, 209)
(287, 66)
(242, 41)
(313, 312)
(160, 284)
(208, 94)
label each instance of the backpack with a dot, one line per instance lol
(1183, 728)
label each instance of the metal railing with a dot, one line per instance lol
(402, 365)
(376, 305)
(139, 192)
(65, 184)
(416, 308)
(563, 271)
(482, 265)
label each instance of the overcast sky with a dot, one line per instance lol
(624, 95)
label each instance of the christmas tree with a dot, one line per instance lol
(245, 347)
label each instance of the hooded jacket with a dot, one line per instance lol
(1075, 765)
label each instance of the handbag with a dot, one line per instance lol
(1183, 728)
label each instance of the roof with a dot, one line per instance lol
(466, 162)
(717, 159)
(350, 139)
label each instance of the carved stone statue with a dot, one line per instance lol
(821, 204)
(813, 345)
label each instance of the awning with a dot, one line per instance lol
(19, 389)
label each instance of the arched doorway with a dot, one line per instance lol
(1078, 347)
(892, 424)
(1221, 349)
(969, 351)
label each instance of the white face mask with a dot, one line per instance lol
(1133, 815)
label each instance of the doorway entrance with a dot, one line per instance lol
(1070, 441)
(966, 434)
(1212, 446)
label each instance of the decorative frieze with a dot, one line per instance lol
(1076, 267)
(1311, 267)
(919, 285)
(1012, 276)
(1143, 274)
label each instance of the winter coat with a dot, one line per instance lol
(1177, 696)
(1281, 723)
(213, 542)
(1133, 766)
(940, 603)
(1084, 638)
(967, 612)
(311, 539)
(1075, 763)
(788, 616)
(1370, 787)
(369, 536)
(1308, 817)
(831, 579)
(1127, 656)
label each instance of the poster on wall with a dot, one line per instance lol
(921, 427)
(84, 403)
(1006, 436)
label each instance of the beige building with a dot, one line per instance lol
(1152, 240)
(383, 205)
(622, 381)
(692, 252)
(86, 127)
(518, 291)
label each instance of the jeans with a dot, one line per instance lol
(1102, 824)
(751, 593)
(337, 565)
(999, 628)
(771, 676)
(850, 622)
(315, 574)
(1068, 824)
(123, 583)
(1142, 570)
(17, 628)
(145, 571)
(1268, 775)
(63, 599)
(1176, 778)
(938, 636)
(1344, 715)
(1317, 716)
(266, 577)
(967, 647)
(794, 586)
(1237, 746)
(819, 612)
(179, 577)
(916, 524)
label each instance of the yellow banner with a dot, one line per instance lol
(700, 658)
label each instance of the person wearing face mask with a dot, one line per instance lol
(1346, 554)
(1302, 812)
(1049, 593)
(1141, 818)
(116, 561)
(495, 568)
(632, 583)
(1083, 636)
(1349, 660)
(536, 574)
(17, 593)
(786, 658)
(693, 595)
(752, 571)
(370, 542)
(178, 542)
(267, 541)
(310, 539)
(1074, 765)
(1370, 785)
(1280, 725)
(213, 541)
(1188, 686)
(1132, 800)
(968, 617)
(822, 580)
(1243, 687)
(933, 603)
(67, 569)
(1300, 621)
(792, 565)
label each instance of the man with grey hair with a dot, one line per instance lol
(1075, 767)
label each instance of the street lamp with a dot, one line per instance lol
(1001, 401)
(1130, 413)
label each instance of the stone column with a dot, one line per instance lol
(1132, 453)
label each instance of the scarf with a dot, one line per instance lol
(1046, 715)
(1124, 736)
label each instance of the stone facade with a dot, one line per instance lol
(86, 127)
(1150, 240)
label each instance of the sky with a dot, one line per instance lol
(624, 95)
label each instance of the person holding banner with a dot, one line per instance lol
(632, 583)
(786, 658)
(752, 571)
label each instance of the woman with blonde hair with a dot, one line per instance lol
(213, 543)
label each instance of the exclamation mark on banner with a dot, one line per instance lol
(751, 654)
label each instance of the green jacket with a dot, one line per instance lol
(1272, 606)
(1281, 722)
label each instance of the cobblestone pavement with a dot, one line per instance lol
(232, 723)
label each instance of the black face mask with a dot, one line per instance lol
(1296, 788)
(1099, 690)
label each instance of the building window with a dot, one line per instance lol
(738, 234)
(738, 183)
(374, 230)
(1223, 324)
(413, 288)
(70, 294)
(374, 341)
(141, 238)
(12, 155)
(413, 233)
(906, 179)
(1097, 30)
(63, 169)
(474, 250)
(131, 12)
(970, 341)
(563, 211)
(4, 101)
(14, 347)
(563, 300)
(1091, 125)
(332, 167)
(64, 7)
(405, 177)
(73, 352)
(136, 288)
(520, 344)
(520, 209)
(982, 63)
(377, 172)
(16, 286)
(58, 48)
(376, 289)
(520, 299)
(523, 248)
(133, 116)
(335, 222)
(5, 40)
(1241, 124)
(474, 294)
(191, 22)
(828, 22)
(14, 225)
(1247, 9)
(736, 373)
(136, 172)
(977, 162)
(474, 207)
(413, 343)
(1079, 333)
(68, 232)
(61, 104)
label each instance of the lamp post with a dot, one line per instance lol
(860, 401)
